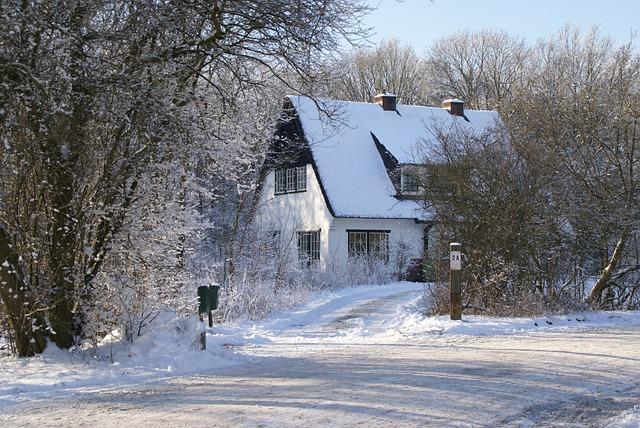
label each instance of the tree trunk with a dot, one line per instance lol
(26, 324)
(65, 145)
(603, 282)
(62, 249)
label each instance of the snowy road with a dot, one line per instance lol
(314, 372)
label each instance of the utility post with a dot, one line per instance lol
(455, 279)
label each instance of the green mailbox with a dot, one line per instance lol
(213, 296)
(203, 299)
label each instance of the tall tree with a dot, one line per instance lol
(96, 96)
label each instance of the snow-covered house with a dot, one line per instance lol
(337, 181)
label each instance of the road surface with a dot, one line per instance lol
(571, 379)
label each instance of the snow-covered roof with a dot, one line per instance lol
(350, 166)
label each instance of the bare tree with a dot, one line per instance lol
(481, 67)
(503, 219)
(391, 66)
(581, 108)
(568, 209)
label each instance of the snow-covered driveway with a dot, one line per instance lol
(347, 360)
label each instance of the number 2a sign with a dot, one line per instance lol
(455, 261)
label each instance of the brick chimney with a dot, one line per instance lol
(455, 106)
(386, 100)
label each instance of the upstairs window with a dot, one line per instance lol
(290, 180)
(373, 243)
(409, 183)
(309, 248)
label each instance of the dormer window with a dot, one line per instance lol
(291, 180)
(409, 183)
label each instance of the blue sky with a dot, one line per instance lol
(419, 22)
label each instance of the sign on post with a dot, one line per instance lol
(456, 260)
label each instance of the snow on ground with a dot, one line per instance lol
(392, 313)
(358, 315)
(355, 356)
(169, 350)
(628, 419)
(310, 319)
(411, 324)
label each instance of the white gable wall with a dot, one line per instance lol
(292, 212)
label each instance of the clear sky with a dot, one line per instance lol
(419, 22)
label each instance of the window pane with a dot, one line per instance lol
(409, 183)
(379, 245)
(314, 246)
(357, 244)
(302, 178)
(291, 180)
(281, 181)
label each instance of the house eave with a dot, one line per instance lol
(365, 217)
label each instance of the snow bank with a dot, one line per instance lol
(628, 419)
(170, 349)
(409, 322)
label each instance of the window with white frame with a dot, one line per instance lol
(290, 180)
(374, 243)
(309, 248)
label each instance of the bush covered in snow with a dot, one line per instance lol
(265, 276)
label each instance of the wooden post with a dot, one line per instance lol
(203, 307)
(455, 280)
(203, 335)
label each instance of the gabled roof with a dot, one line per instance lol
(349, 165)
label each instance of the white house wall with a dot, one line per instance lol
(400, 230)
(306, 211)
(292, 212)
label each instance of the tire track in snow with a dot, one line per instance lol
(379, 311)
